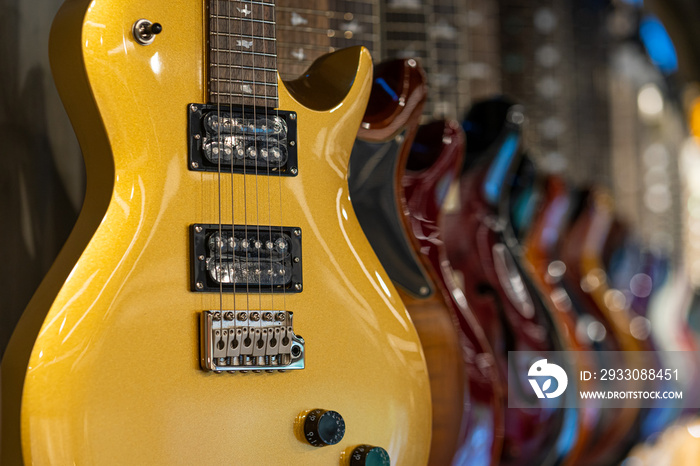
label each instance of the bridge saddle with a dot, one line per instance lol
(249, 341)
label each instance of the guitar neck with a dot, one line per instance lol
(242, 53)
(309, 29)
(483, 63)
(434, 33)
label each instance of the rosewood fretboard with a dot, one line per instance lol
(308, 29)
(434, 33)
(242, 53)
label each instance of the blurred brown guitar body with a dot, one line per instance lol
(404, 231)
(383, 144)
(448, 384)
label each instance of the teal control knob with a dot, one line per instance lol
(323, 427)
(367, 455)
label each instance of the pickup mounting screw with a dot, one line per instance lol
(296, 260)
(293, 116)
(297, 232)
(193, 108)
(198, 229)
(197, 136)
(292, 143)
(195, 165)
(293, 170)
(297, 286)
(199, 285)
(201, 257)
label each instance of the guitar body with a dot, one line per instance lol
(539, 254)
(505, 303)
(463, 399)
(433, 164)
(104, 367)
(581, 250)
(382, 147)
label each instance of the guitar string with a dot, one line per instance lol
(270, 272)
(233, 21)
(256, 153)
(232, 271)
(219, 243)
(288, 248)
(270, 241)
(246, 239)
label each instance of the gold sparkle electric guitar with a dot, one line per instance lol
(217, 302)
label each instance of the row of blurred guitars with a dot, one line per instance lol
(491, 256)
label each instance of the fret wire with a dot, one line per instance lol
(227, 87)
(253, 68)
(336, 10)
(245, 52)
(241, 18)
(252, 2)
(247, 100)
(228, 81)
(338, 32)
(305, 46)
(306, 29)
(238, 94)
(231, 34)
(332, 15)
(362, 37)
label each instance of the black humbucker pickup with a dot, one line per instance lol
(250, 140)
(249, 258)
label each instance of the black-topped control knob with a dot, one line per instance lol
(323, 427)
(155, 28)
(145, 32)
(367, 455)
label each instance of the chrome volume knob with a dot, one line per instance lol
(323, 427)
(367, 455)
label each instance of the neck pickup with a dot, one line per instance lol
(249, 140)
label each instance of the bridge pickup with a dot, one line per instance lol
(233, 341)
(252, 141)
(248, 259)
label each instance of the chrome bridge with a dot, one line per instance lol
(249, 341)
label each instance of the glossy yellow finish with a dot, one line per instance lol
(105, 359)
